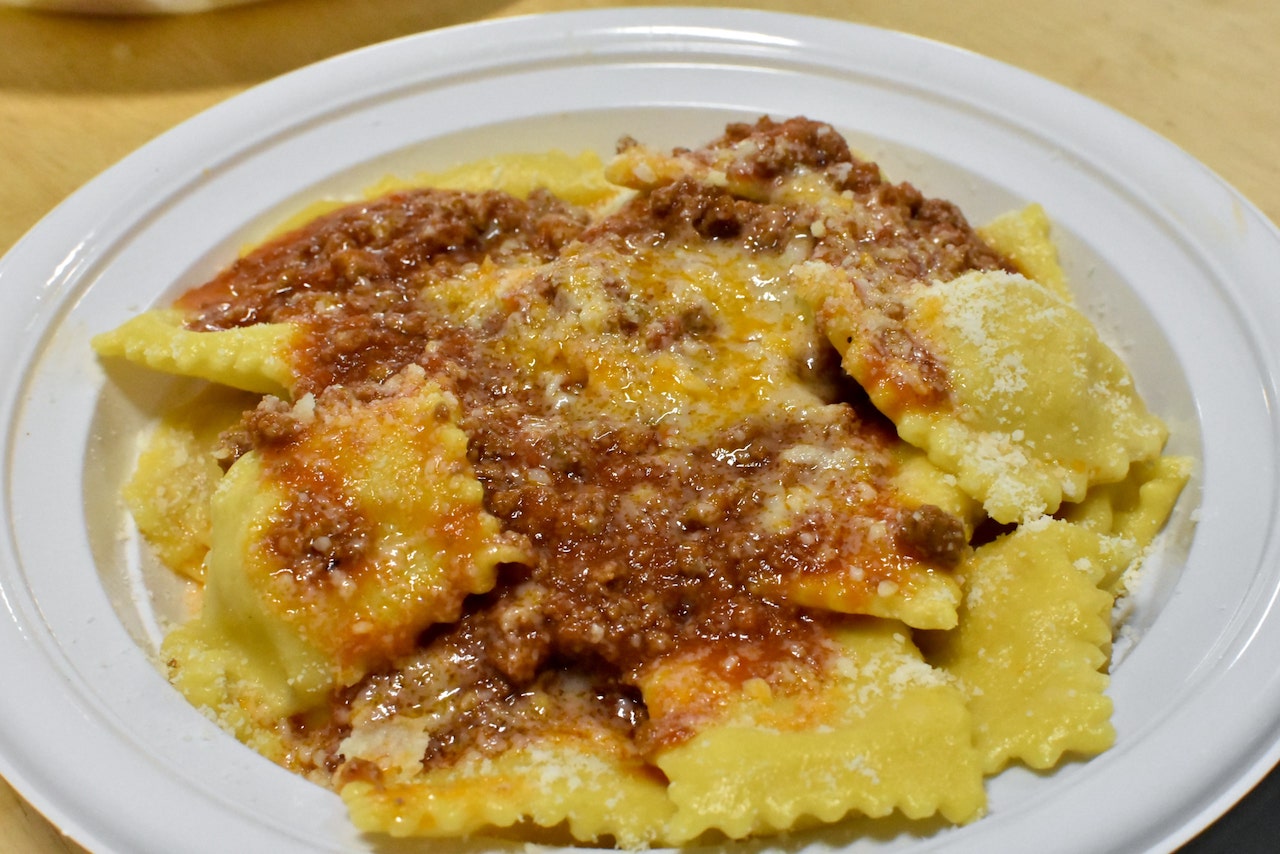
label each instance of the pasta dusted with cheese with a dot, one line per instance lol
(393, 537)
(701, 494)
(876, 730)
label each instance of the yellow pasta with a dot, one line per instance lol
(923, 598)
(918, 594)
(921, 482)
(880, 730)
(1136, 507)
(169, 492)
(576, 178)
(330, 562)
(1031, 644)
(581, 773)
(1023, 237)
(573, 783)
(253, 358)
(1042, 408)
(1134, 510)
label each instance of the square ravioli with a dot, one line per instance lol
(676, 499)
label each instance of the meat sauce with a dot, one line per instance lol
(647, 543)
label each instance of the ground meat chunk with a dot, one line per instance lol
(934, 534)
(691, 210)
(778, 148)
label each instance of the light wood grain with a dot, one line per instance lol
(79, 93)
(22, 829)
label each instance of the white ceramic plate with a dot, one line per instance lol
(1176, 268)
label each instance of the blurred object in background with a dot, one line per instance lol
(124, 7)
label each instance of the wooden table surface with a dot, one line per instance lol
(78, 93)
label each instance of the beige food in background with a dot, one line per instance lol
(127, 7)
